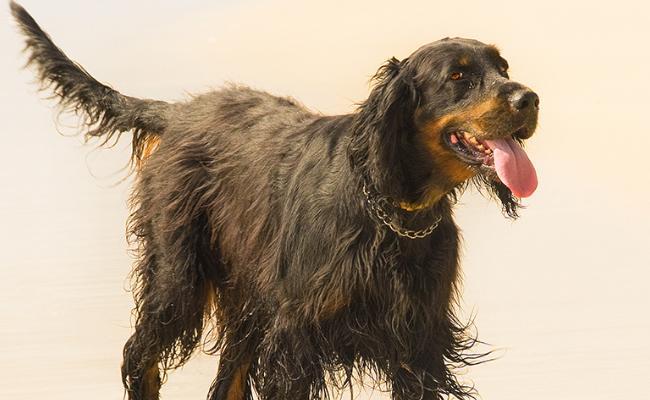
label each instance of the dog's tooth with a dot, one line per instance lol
(474, 141)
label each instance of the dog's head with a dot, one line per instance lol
(455, 116)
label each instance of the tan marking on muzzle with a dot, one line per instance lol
(470, 119)
(453, 168)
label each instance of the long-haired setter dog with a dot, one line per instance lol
(318, 250)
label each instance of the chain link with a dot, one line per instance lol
(378, 206)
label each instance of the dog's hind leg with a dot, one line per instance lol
(238, 346)
(233, 380)
(168, 328)
(174, 292)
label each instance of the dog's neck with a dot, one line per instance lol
(413, 221)
(428, 200)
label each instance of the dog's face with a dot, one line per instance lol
(470, 117)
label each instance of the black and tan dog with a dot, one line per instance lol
(322, 247)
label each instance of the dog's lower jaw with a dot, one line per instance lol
(436, 189)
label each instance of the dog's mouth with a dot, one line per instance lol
(471, 149)
(500, 157)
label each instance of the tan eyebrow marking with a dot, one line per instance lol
(464, 61)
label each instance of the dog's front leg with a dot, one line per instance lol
(414, 383)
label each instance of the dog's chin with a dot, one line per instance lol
(479, 157)
(475, 154)
(500, 159)
(488, 183)
(488, 173)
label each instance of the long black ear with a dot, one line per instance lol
(384, 124)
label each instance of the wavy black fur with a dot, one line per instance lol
(249, 217)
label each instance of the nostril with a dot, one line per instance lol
(525, 99)
(522, 104)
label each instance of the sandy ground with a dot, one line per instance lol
(562, 293)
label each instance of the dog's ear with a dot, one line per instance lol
(385, 122)
(394, 97)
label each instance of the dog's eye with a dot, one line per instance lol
(455, 76)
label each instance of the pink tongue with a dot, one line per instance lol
(513, 166)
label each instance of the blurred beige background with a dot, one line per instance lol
(562, 293)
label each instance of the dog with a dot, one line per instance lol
(308, 251)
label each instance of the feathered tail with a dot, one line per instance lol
(107, 112)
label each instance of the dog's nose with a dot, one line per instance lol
(524, 99)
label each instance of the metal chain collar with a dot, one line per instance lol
(378, 205)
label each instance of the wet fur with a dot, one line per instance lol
(249, 217)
